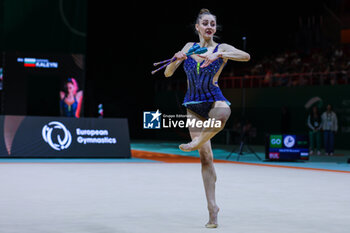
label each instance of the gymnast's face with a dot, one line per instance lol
(206, 26)
(70, 88)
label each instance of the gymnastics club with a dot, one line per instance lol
(198, 51)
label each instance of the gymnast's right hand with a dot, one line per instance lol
(180, 56)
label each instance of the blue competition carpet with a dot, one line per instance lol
(337, 162)
(156, 149)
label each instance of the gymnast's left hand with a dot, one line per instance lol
(208, 58)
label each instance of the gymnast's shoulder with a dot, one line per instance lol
(188, 45)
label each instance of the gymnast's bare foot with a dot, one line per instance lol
(191, 146)
(213, 218)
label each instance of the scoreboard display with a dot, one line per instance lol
(287, 147)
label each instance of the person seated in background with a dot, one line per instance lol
(314, 122)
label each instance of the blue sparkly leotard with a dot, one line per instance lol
(202, 93)
(69, 110)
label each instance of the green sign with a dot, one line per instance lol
(275, 141)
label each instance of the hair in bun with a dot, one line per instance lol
(203, 11)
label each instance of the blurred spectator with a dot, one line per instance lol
(285, 120)
(330, 127)
(329, 66)
(243, 130)
(314, 122)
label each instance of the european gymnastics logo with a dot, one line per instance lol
(59, 143)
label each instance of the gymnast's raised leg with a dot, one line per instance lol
(220, 111)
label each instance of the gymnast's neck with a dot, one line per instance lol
(206, 42)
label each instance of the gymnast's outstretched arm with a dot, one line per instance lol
(181, 55)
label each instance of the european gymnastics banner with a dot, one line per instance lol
(63, 137)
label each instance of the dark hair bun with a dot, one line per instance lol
(204, 11)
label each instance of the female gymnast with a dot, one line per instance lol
(204, 99)
(71, 99)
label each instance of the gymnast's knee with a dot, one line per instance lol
(223, 117)
(206, 157)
